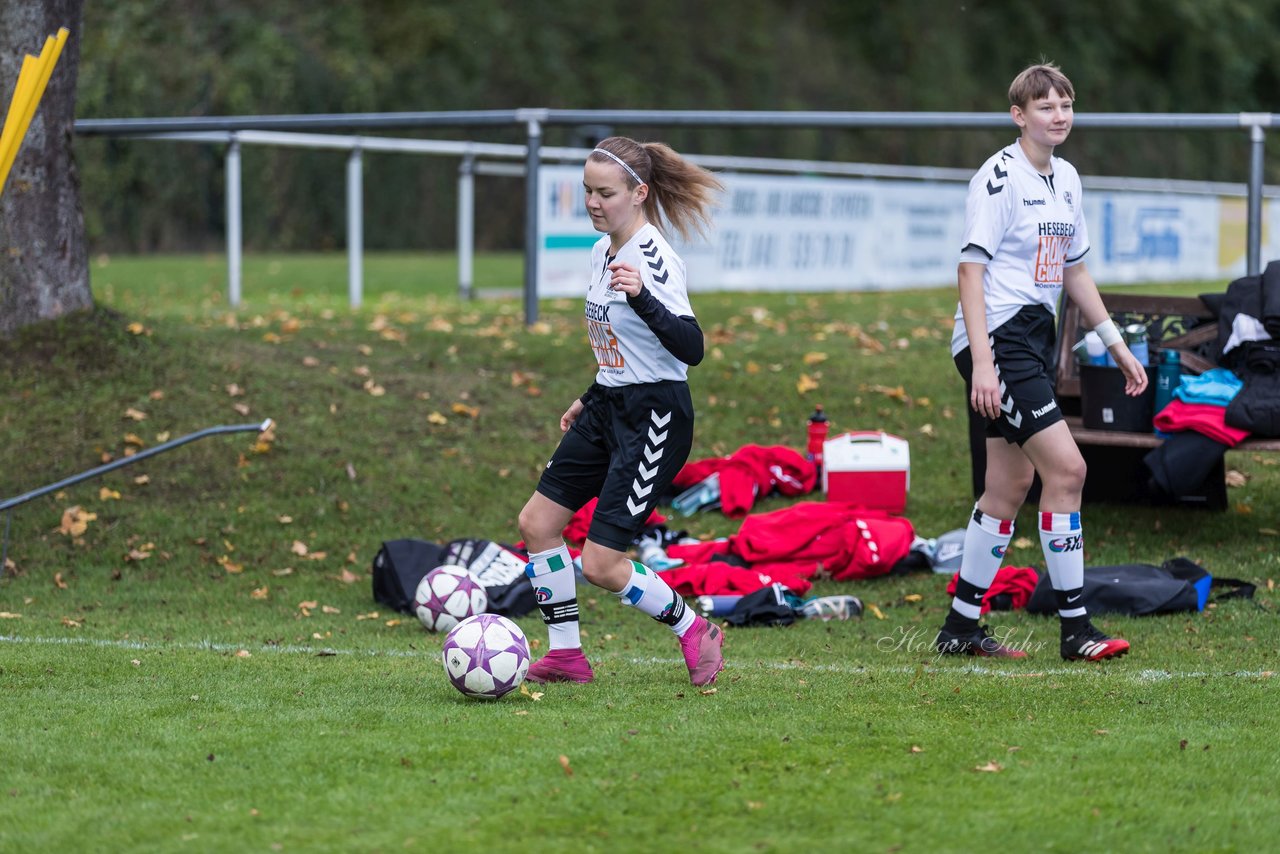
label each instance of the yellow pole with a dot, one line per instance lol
(44, 70)
(18, 104)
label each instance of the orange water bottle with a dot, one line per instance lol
(818, 427)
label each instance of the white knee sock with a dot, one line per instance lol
(985, 541)
(650, 594)
(1062, 539)
(551, 574)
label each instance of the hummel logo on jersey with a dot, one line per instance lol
(1032, 202)
(658, 268)
(650, 249)
(1001, 174)
(1067, 544)
(1048, 407)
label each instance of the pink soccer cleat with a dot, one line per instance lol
(561, 665)
(701, 648)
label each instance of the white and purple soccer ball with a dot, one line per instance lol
(446, 596)
(486, 656)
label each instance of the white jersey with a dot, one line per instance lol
(1030, 226)
(626, 349)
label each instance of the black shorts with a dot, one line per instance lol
(626, 447)
(1023, 348)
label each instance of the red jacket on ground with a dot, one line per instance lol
(751, 472)
(1018, 581)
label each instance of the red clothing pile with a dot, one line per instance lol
(1018, 581)
(751, 472)
(792, 545)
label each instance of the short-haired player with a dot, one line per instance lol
(1024, 243)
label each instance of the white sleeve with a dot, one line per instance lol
(1080, 241)
(988, 209)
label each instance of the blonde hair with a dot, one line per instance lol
(1035, 81)
(680, 193)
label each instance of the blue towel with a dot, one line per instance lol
(1215, 388)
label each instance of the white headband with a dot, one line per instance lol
(616, 159)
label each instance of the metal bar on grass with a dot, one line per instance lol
(10, 503)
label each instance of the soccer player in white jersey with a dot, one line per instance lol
(629, 434)
(1025, 241)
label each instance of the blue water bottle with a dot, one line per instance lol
(1168, 378)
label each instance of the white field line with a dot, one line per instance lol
(1148, 675)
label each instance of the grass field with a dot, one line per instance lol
(193, 660)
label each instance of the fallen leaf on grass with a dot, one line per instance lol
(708, 692)
(755, 805)
(814, 358)
(233, 568)
(259, 593)
(879, 615)
(897, 393)
(75, 521)
(142, 480)
(391, 624)
(348, 577)
(1236, 478)
(243, 653)
(992, 767)
(1101, 732)
(806, 384)
(372, 615)
(9, 615)
(299, 548)
(1022, 543)
(58, 582)
(437, 418)
(288, 570)
(915, 748)
(463, 409)
(106, 493)
(912, 597)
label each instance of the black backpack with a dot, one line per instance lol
(1137, 589)
(401, 564)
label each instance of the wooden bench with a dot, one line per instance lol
(1184, 324)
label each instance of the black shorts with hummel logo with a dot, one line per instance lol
(626, 448)
(1023, 348)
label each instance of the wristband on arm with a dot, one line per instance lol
(1109, 333)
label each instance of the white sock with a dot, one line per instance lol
(650, 594)
(551, 574)
(1062, 539)
(985, 541)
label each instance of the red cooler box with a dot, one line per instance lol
(867, 467)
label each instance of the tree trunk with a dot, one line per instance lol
(44, 269)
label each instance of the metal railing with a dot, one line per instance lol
(7, 505)
(237, 130)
